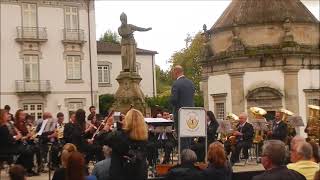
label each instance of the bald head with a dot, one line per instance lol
(177, 71)
(47, 115)
(296, 140)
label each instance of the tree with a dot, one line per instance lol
(189, 58)
(110, 36)
(163, 79)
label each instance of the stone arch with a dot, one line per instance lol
(265, 97)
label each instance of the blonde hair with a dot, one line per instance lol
(135, 125)
(67, 150)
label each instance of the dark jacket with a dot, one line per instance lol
(281, 173)
(67, 132)
(223, 173)
(7, 142)
(212, 131)
(247, 131)
(120, 169)
(279, 131)
(184, 172)
(182, 93)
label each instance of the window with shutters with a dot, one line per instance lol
(31, 68)
(220, 110)
(73, 68)
(71, 17)
(104, 74)
(29, 15)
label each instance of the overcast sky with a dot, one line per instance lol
(170, 20)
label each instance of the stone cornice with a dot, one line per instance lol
(49, 3)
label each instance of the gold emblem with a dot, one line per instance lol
(193, 121)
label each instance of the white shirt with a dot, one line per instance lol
(43, 125)
(180, 77)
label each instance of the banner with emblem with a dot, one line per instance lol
(192, 122)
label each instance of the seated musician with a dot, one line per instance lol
(244, 138)
(166, 139)
(279, 129)
(26, 145)
(45, 131)
(59, 141)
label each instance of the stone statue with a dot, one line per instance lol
(128, 44)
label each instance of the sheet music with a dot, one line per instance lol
(295, 121)
(224, 127)
(43, 125)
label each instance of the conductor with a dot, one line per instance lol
(182, 93)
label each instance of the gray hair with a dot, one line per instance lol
(106, 151)
(304, 149)
(187, 155)
(296, 140)
(275, 150)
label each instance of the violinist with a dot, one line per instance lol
(26, 145)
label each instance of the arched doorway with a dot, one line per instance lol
(267, 98)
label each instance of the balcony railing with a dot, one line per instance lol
(31, 34)
(73, 36)
(33, 86)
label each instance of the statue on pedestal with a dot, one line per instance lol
(129, 92)
(128, 44)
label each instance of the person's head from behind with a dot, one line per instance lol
(273, 154)
(67, 150)
(3, 116)
(216, 155)
(106, 151)
(210, 116)
(177, 71)
(17, 172)
(75, 166)
(316, 152)
(7, 108)
(303, 151)
(293, 147)
(135, 125)
(188, 156)
(81, 118)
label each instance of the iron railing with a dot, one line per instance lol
(36, 86)
(31, 33)
(73, 35)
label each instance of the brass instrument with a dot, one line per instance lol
(285, 114)
(59, 131)
(234, 121)
(258, 113)
(313, 125)
(32, 130)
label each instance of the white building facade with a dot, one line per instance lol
(109, 67)
(267, 61)
(48, 56)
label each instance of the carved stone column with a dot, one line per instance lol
(237, 92)
(291, 90)
(204, 89)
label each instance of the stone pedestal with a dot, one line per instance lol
(129, 93)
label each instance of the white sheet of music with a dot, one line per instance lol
(43, 125)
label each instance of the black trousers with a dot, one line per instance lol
(25, 156)
(241, 145)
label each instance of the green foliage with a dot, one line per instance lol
(164, 82)
(110, 36)
(105, 103)
(189, 58)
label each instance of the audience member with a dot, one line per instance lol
(66, 152)
(76, 166)
(218, 168)
(17, 172)
(316, 152)
(129, 143)
(101, 169)
(273, 157)
(317, 175)
(302, 153)
(186, 170)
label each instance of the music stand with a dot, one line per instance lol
(224, 127)
(295, 121)
(259, 125)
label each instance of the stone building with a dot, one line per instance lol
(109, 67)
(262, 53)
(48, 56)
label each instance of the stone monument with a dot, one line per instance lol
(129, 92)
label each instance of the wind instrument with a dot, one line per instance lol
(258, 113)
